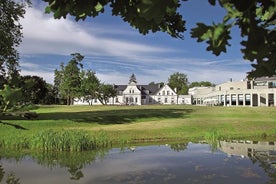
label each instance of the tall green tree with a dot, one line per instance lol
(34, 89)
(105, 92)
(50, 97)
(57, 83)
(68, 78)
(256, 20)
(90, 85)
(10, 37)
(179, 81)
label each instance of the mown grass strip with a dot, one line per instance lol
(78, 128)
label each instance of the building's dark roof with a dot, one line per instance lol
(152, 89)
(120, 87)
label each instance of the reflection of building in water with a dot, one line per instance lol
(260, 150)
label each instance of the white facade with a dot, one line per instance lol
(165, 96)
(133, 94)
(257, 92)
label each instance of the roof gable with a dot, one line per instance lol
(145, 89)
(166, 88)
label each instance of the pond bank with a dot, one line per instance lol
(82, 127)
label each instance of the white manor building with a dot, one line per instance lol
(134, 94)
(256, 92)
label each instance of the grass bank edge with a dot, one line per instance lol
(80, 140)
(193, 123)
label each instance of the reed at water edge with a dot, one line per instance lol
(57, 140)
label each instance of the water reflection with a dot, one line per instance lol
(36, 162)
(234, 162)
(259, 152)
(11, 178)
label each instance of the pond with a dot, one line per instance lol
(247, 162)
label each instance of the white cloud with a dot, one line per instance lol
(115, 53)
(47, 76)
(109, 71)
(44, 34)
(46, 72)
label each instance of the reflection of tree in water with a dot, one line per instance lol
(75, 172)
(179, 147)
(2, 172)
(72, 161)
(11, 178)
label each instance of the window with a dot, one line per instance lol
(168, 92)
(272, 84)
(163, 92)
(95, 100)
(131, 99)
(116, 100)
(231, 88)
(159, 99)
(166, 100)
(136, 99)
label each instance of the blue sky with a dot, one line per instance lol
(114, 50)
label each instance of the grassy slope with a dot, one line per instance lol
(149, 122)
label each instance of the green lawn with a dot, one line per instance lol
(147, 123)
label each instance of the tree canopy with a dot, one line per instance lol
(89, 86)
(34, 89)
(179, 81)
(68, 78)
(10, 37)
(256, 20)
(201, 83)
(71, 82)
(11, 98)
